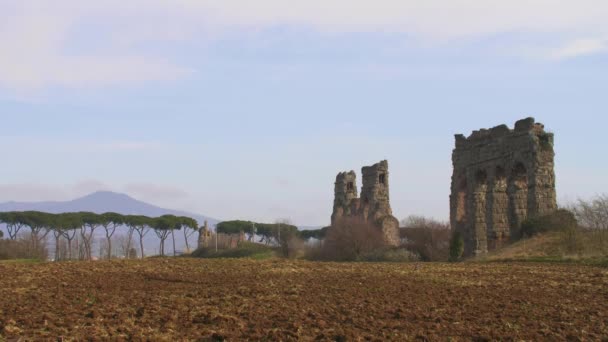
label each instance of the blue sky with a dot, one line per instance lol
(235, 111)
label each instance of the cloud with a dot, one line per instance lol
(89, 186)
(124, 146)
(36, 41)
(74, 43)
(25, 192)
(149, 191)
(579, 48)
(52, 146)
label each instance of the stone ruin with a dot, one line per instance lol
(373, 206)
(207, 238)
(204, 236)
(501, 177)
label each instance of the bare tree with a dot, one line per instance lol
(125, 243)
(592, 215)
(351, 239)
(427, 237)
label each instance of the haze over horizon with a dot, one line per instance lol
(248, 111)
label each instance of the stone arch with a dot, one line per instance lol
(480, 196)
(519, 175)
(461, 203)
(481, 179)
(518, 197)
(500, 178)
(498, 207)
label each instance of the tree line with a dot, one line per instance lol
(268, 232)
(67, 226)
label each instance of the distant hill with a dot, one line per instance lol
(101, 202)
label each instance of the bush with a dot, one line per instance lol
(22, 249)
(391, 255)
(244, 250)
(290, 244)
(428, 238)
(560, 220)
(349, 239)
(456, 247)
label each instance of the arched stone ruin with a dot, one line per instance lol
(501, 177)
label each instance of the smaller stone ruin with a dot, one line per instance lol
(374, 204)
(501, 177)
(204, 236)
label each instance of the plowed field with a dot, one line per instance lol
(188, 299)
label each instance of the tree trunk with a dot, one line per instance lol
(57, 247)
(109, 247)
(69, 249)
(187, 243)
(173, 238)
(141, 246)
(129, 242)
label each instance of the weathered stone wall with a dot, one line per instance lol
(501, 177)
(204, 236)
(374, 204)
(345, 192)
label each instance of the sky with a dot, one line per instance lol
(248, 109)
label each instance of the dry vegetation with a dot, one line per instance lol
(193, 299)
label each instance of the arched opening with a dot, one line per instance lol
(498, 203)
(481, 179)
(480, 228)
(520, 176)
(518, 197)
(500, 177)
(461, 203)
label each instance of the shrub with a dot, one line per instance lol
(290, 245)
(391, 255)
(22, 249)
(244, 250)
(456, 247)
(349, 239)
(560, 220)
(428, 238)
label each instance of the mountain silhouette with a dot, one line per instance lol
(101, 202)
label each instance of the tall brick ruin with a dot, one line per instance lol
(501, 177)
(374, 204)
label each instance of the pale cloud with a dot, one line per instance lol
(89, 186)
(150, 191)
(25, 192)
(35, 192)
(39, 50)
(579, 48)
(124, 146)
(35, 40)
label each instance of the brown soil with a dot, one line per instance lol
(208, 300)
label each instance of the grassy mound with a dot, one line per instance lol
(580, 246)
(244, 250)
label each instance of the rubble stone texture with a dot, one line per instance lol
(204, 236)
(374, 204)
(501, 177)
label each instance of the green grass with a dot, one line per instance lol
(244, 250)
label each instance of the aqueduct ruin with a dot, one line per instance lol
(373, 206)
(501, 177)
